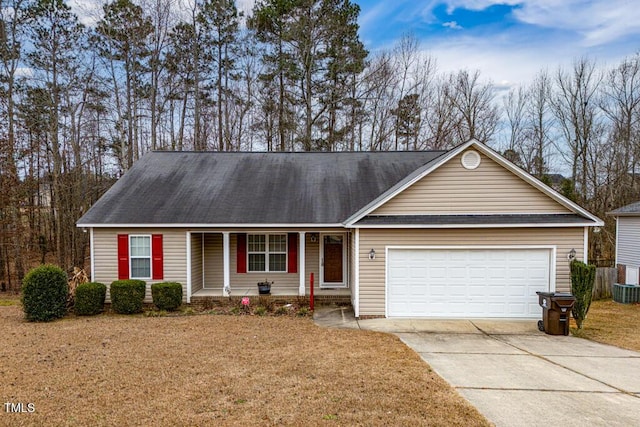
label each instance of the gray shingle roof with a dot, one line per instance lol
(251, 188)
(632, 209)
(497, 219)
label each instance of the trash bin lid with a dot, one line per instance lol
(562, 296)
(544, 294)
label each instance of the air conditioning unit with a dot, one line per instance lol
(626, 294)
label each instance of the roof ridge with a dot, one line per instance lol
(296, 152)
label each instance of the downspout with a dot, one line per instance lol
(617, 234)
(586, 245)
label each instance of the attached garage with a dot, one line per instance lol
(467, 282)
(469, 235)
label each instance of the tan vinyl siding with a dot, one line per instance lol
(313, 266)
(312, 262)
(196, 262)
(209, 264)
(452, 189)
(213, 266)
(372, 272)
(285, 282)
(629, 241)
(241, 282)
(174, 242)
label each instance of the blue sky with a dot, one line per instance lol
(509, 41)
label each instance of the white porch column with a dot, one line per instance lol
(188, 267)
(226, 282)
(93, 256)
(301, 271)
(356, 272)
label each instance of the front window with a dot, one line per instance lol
(140, 254)
(267, 252)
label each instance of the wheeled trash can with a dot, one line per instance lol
(556, 309)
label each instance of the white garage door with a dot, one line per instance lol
(466, 283)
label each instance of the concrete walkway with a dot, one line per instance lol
(516, 375)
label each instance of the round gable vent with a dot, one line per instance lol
(470, 159)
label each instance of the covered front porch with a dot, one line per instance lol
(222, 263)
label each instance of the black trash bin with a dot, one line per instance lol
(556, 308)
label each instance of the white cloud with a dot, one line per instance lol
(597, 21)
(505, 65)
(24, 72)
(453, 25)
(89, 12)
(478, 4)
(245, 6)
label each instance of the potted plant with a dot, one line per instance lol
(264, 288)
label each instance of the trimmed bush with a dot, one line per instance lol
(583, 277)
(90, 298)
(44, 294)
(167, 295)
(127, 296)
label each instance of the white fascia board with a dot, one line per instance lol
(238, 226)
(623, 214)
(402, 185)
(444, 247)
(555, 225)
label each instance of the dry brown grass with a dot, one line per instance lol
(216, 370)
(612, 323)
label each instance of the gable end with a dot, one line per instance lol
(454, 188)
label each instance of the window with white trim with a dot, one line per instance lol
(140, 257)
(267, 252)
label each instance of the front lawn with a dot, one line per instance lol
(612, 323)
(216, 370)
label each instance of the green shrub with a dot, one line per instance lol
(167, 295)
(583, 277)
(260, 310)
(282, 311)
(44, 294)
(155, 313)
(90, 298)
(267, 302)
(127, 296)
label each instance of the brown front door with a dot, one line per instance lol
(333, 259)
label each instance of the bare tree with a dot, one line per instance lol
(575, 106)
(473, 101)
(515, 105)
(540, 124)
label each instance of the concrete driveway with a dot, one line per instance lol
(516, 375)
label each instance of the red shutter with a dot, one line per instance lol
(241, 256)
(157, 257)
(293, 252)
(123, 256)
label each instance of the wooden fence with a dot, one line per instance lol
(605, 278)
